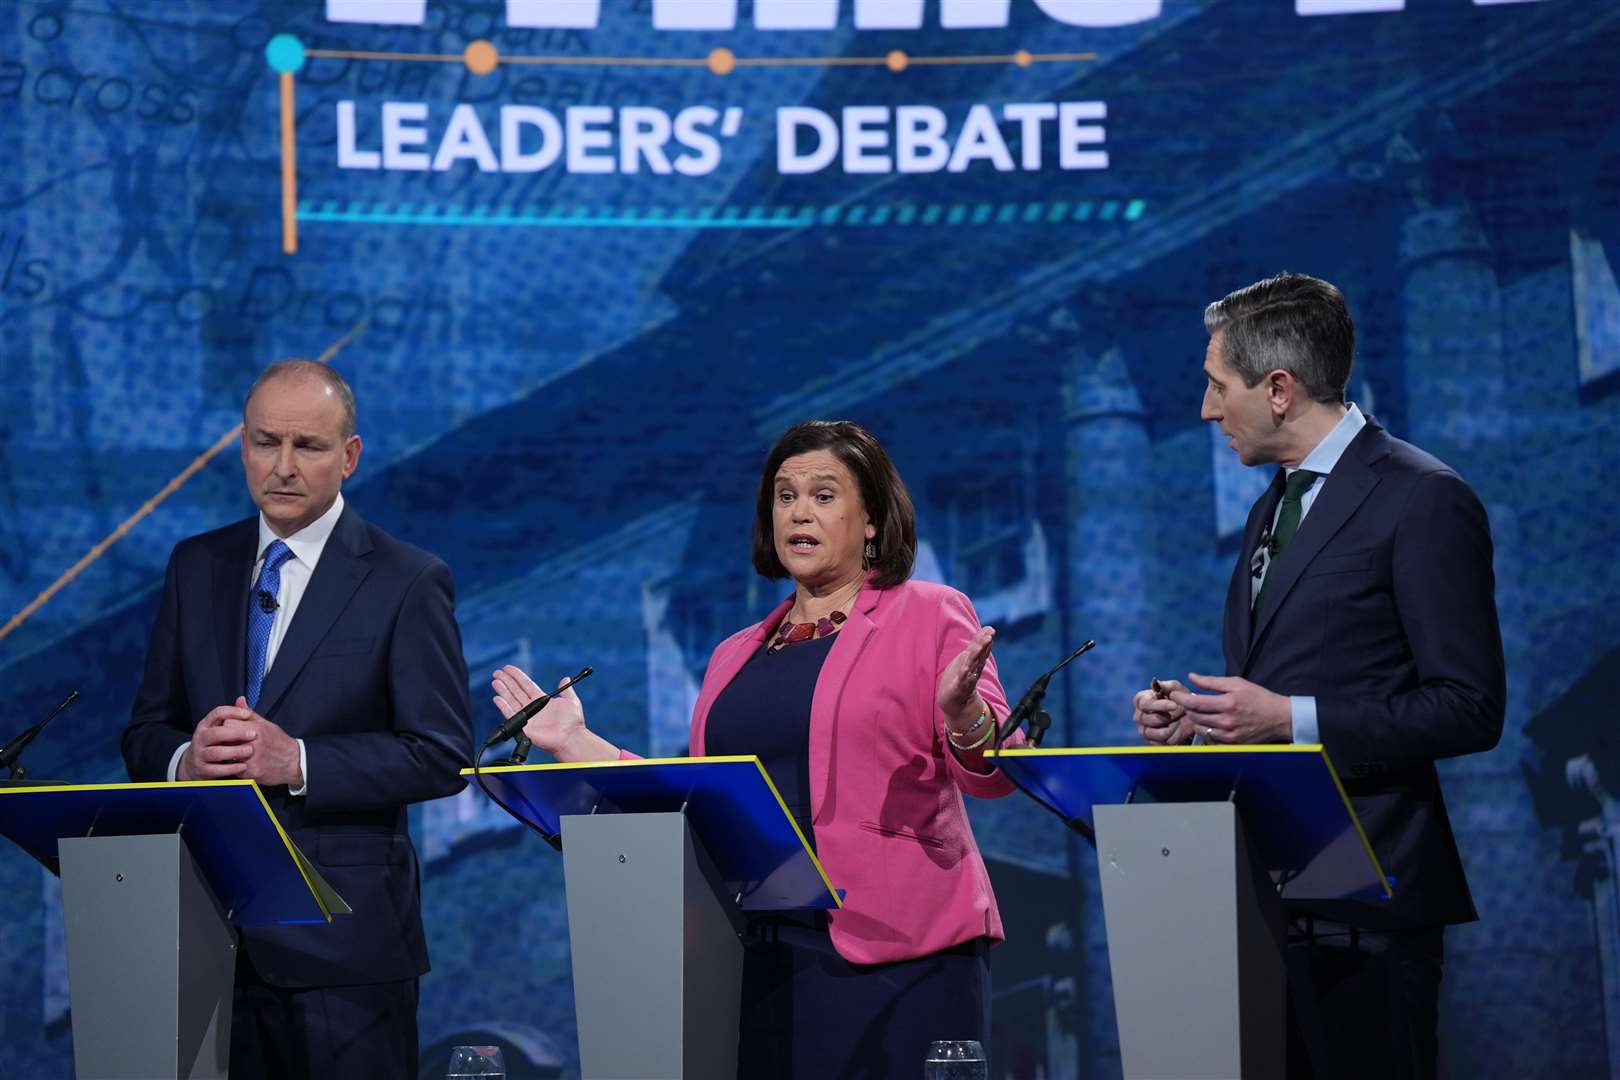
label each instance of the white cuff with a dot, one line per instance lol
(303, 770)
(174, 762)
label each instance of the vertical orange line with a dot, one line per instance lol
(289, 174)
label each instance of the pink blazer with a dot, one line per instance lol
(885, 790)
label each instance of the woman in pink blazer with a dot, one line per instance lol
(870, 699)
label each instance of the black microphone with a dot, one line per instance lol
(267, 600)
(514, 723)
(1265, 549)
(1030, 704)
(13, 749)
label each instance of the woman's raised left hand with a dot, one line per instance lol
(959, 683)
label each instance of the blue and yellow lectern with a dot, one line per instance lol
(1198, 849)
(660, 858)
(154, 877)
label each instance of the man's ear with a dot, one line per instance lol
(1281, 387)
(351, 455)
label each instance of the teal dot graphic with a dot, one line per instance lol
(285, 53)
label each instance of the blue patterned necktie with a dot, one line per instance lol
(262, 616)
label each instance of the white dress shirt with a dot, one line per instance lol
(306, 546)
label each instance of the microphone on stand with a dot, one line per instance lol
(13, 749)
(514, 723)
(519, 754)
(1029, 706)
(1029, 710)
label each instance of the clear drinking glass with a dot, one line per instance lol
(956, 1059)
(484, 1062)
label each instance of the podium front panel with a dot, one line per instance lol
(255, 871)
(1294, 809)
(734, 810)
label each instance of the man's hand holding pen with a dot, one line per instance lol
(1159, 717)
(1230, 711)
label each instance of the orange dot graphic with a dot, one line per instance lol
(896, 60)
(1022, 58)
(722, 61)
(480, 57)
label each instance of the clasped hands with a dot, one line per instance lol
(1234, 711)
(235, 743)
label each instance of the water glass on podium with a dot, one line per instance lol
(956, 1059)
(480, 1062)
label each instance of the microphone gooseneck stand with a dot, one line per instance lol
(1029, 712)
(11, 753)
(512, 727)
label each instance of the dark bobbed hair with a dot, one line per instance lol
(1295, 322)
(883, 493)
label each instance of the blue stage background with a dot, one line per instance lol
(568, 380)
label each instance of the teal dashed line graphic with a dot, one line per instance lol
(858, 215)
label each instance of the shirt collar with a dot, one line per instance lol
(307, 543)
(1332, 447)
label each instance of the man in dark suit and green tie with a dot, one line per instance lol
(308, 650)
(1361, 615)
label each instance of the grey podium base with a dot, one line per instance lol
(151, 960)
(657, 958)
(1195, 943)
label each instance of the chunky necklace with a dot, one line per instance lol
(791, 633)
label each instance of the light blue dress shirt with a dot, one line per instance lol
(1321, 460)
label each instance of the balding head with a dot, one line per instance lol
(325, 374)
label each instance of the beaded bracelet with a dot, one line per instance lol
(976, 743)
(952, 736)
(984, 714)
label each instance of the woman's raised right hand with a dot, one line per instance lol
(559, 728)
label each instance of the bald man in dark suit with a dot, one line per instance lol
(310, 651)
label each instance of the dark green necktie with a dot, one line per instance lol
(1293, 508)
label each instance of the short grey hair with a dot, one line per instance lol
(1294, 322)
(315, 369)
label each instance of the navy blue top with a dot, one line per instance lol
(765, 711)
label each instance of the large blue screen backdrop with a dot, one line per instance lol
(582, 273)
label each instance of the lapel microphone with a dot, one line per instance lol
(267, 602)
(1267, 548)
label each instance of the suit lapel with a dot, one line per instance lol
(1344, 490)
(1240, 593)
(338, 574)
(232, 565)
(846, 650)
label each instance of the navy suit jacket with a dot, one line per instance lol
(1384, 610)
(371, 676)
